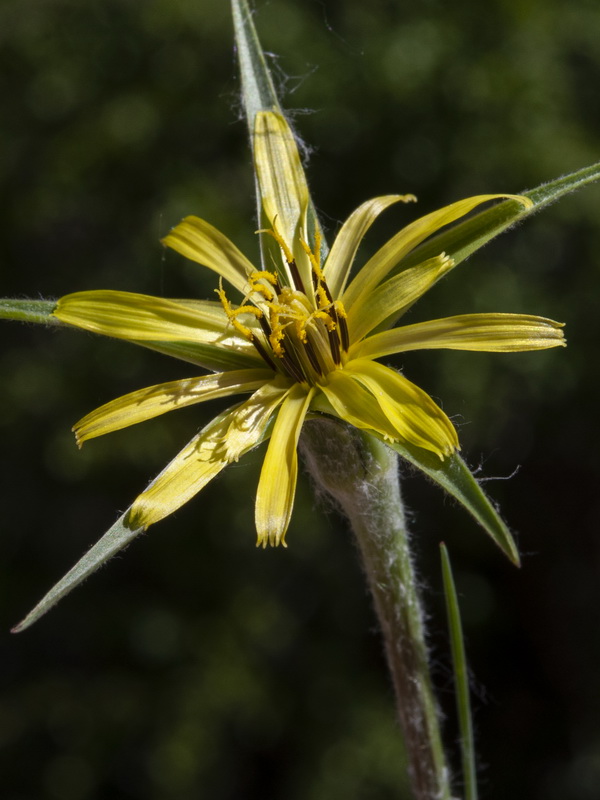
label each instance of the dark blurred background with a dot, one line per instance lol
(196, 665)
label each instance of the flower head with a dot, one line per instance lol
(299, 335)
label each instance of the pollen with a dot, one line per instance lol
(275, 339)
(233, 313)
(314, 255)
(280, 241)
(255, 279)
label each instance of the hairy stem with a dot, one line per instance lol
(361, 474)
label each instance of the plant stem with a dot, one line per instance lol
(361, 474)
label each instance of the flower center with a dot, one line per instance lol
(304, 330)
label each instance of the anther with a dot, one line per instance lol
(334, 346)
(312, 357)
(287, 254)
(263, 353)
(345, 337)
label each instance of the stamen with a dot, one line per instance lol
(313, 258)
(318, 243)
(263, 353)
(277, 327)
(276, 338)
(293, 370)
(343, 328)
(334, 346)
(264, 324)
(243, 329)
(312, 357)
(296, 276)
(264, 275)
(326, 317)
(280, 241)
(287, 253)
(323, 297)
(338, 312)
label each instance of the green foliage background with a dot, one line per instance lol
(196, 665)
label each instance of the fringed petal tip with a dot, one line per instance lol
(442, 443)
(272, 538)
(450, 449)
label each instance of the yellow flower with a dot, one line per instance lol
(300, 337)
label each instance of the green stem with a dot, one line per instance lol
(361, 474)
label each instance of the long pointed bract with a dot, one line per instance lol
(115, 539)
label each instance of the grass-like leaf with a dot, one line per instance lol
(461, 679)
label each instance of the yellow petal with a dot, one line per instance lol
(412, 412)
(390, 255)
(341, 257)
(371, 396)
(280, 176)
(395, 296)
(148, 403)
(207, 356)
(355, 405)
(140, 317)
(222, 441)
(199, 241)
(496, 333)
(254, 415)
(188, 473)
(277, 485)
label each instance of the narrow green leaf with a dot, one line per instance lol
(453, 475)
(467, 237)
(461, 679)
(29, 311)
(113, 540)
